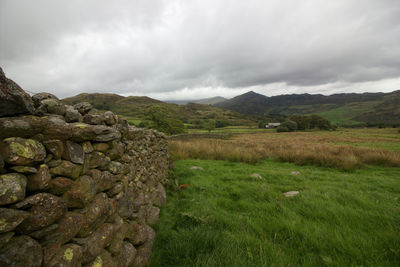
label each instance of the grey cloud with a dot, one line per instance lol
(159, 46)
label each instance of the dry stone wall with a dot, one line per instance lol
(77, 187)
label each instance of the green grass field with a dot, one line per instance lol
(225, 217)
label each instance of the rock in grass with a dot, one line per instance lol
(20, 151)
(291, 193)
(295, 173)
(12, 188)
(256, 175)
(21, 251)
(196, 168)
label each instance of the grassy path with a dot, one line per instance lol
(228, 218)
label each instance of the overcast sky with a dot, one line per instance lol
(196, 49)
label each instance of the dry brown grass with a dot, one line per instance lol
(299, 148)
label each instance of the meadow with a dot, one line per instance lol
(344, 149)
(231, 210)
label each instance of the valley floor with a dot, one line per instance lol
(225, 217)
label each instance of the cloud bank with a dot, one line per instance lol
(193, 49)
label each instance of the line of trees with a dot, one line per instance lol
(299, 122)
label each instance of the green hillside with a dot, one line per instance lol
(134, 108)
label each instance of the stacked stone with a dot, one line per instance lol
(77, 187)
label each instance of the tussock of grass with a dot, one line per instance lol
(299, 148)
(228, 218)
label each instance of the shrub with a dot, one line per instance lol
(282, 128)
(290, 125)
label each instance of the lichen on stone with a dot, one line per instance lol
(68, 254)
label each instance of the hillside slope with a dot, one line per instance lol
(339, 108)
(135, 107)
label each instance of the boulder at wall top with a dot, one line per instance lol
(13, 100)
(39, 97)
(55, 127)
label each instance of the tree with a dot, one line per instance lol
(303, 122)
(320, 123)
(162, 121)
(290, 125)
(209, 125)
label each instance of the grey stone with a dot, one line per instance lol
(40, 180)
(83, 107)
(72, 115)
(21, 251)
(110, 118)
(44, 210)
(39, 97)
(20, 151)
(24, 169)
(291, 193)
(56, 147)
(11, 218)
(12, 188)
(67, 169)
(52, 106)
(73, 152)
(81, 192)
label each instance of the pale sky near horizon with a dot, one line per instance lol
(191, 49)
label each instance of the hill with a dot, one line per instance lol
(338, 108)
(134, 108)
(204, 101)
